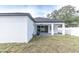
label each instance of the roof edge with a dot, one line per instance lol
(17, 14)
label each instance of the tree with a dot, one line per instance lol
(53, 15)
(66, 13)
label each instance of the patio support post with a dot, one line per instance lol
(48, 28)
(52, 29)
(63, 29)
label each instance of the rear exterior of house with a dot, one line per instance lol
(20, 27)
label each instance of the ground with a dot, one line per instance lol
(44, 44)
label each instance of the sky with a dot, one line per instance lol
(34, 10)
(37, 8)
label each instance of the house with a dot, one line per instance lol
(20, 27)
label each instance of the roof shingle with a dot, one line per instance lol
(42, 19)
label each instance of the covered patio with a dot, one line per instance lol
(50, 29)
(45, 26)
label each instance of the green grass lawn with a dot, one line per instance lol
(44, 44)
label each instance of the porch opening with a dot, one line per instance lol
(42, 29)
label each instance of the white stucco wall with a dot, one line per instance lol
(30, 29)
(34, 26)
(13, 29)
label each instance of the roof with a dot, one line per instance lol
(17, 14)
(37, 20)
(46, 20)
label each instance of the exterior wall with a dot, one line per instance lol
(13, 29)
(72, 31)
(55, 28)
(30, 29)
(35, 29)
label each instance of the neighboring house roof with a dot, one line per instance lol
(17, 14)
(46, 20)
